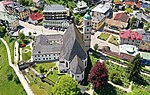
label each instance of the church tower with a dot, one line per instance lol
(87, 28)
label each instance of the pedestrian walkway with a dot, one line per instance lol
(17, 71)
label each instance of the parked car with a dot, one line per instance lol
(23, 45)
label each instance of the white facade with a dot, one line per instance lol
(46, 57)
(78, 77)
(146, 37)
(33, 21)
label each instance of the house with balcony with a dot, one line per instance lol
(11, 22)
(130, 37)
(99, 15)
(18, 10)
(56, 16)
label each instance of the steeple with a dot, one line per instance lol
(87, 28)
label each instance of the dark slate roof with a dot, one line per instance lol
(76, 65)
(73, 44)
(42, 44)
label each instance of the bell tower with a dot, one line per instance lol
(87, 28)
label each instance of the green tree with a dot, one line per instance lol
(129, 10)
(16, 79)
(41, 69)
(2, 31)
(135, 68)
(95, 47)
(21, 36)
(66, 86)
(147, 26)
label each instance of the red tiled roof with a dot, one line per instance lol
(130, 3)
(122, 17)
(7, 2)
(36, 16)
(130, 35)
(119, 2)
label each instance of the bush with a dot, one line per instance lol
(10, 77)
(16, 79)
(115, 78)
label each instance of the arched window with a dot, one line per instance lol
(88, 23)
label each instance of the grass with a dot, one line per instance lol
(38, 87)
(8, 87)
(45, 65)
(114, 40)
(54, 76)
(104, 36)
(27, 47)
(26, 56)
(142, 87)
(11, 42)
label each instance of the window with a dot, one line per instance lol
(77, 76)
(49, 58)
(86, 36)
(87, 30)
(35, 55)
(88, 23)
(66, 64)
(43, 58)
(54, 58)
(72, 75)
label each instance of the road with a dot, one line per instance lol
(38, 29)
(17, 71)
(95, 40)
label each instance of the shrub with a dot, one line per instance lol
(16, 79)
(10, 77)
(115, 78)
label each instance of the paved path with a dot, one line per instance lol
(109, 38)
(17, 71)
(95, 40)
(16, 54)
(90, 92)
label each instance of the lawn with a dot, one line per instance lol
(45, 65)
(114, 40)
(11, 42)
(26, 56)
(142, 87)
(37, 86)
(54, 76)
(104, 36)
(8, 87)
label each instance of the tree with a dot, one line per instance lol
(115, 78)
(98, 75)
(147, 26)
(129, 10)
(16, 79)
(41, 69)
(21, 36)
(30, 33)
(135, 67)
(95, 47)
(2, 31)
(66, 86)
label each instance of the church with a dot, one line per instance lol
(69, 49)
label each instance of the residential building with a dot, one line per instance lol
(146, 37)
(81, 7)
(11, 22)
(99, 14)
(35, 18)
(130, 37)
(18, 10)
(47, 47)
(119, 21)
(56, 16)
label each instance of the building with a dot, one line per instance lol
(119, 21)
(18, 10)
(81, 7)
(99, 14)
(146, 37)
(87, 28)
(11, 22)
(130, 37)
(47, 47)
(35, 18)
(56, 16)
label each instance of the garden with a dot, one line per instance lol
(104, 36)
(26, 53)
(119, 75)
(114, 40)
(9, 82)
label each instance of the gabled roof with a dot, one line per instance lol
(122, 17)
(36, 16)
(76, 65)
(73, 44)
(44, 44)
